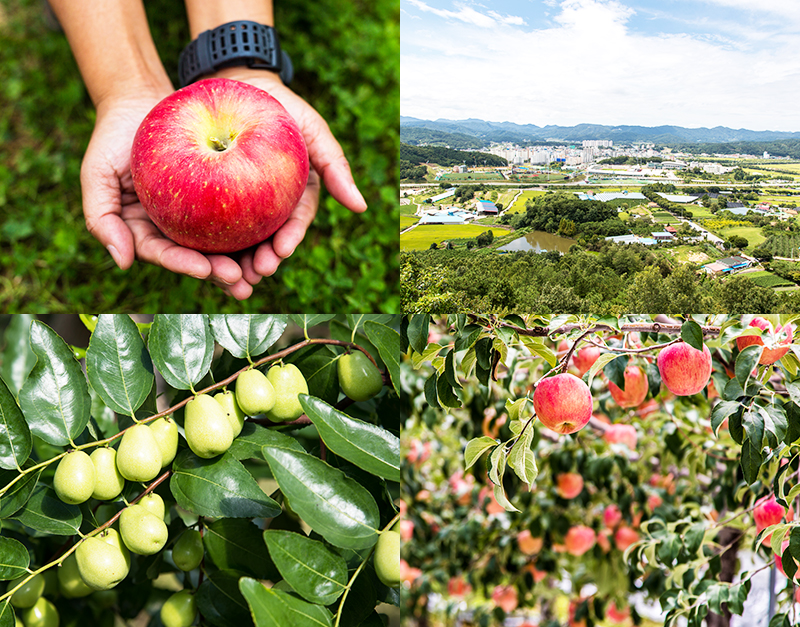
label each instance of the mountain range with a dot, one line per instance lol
(472, 131)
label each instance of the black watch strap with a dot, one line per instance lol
(235, 43)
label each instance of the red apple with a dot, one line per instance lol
(529, 545)
(776, 344)
(219, 165)
(768, 512)
(621, 434)
(569, 485)
(612, 516)
(653, 501)
(684, 370)
(457, 587)
(585, 358)
(635, 388)
(617, 616)
(505, 597)
(624, 537)
(579, 539)
(563, 403)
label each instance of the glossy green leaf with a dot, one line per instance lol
(357, 320)
(220, 601)
(253, 437)
(55, 398)
(314, 571)
(692, 334)
(118, 365)
(220, 487)
(746, 361)
(15, 436)
(14, 558)
(181, 346)
(477, 447)
(18, 494)
(318, 365)
(47, 513)
(418, 331)
(274, 608)
(387, 341)
(17, 357)
(338, 508)
(306, 321)
(237, 544)
(248, 335)
(368, 446)
(6, 614)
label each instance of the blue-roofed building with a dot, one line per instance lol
(446, 217)
(485, 206)
(662, 236)
(447, 194)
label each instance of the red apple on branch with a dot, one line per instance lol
(635, 388)
(219, 165)
(777, 340)
(684, 369)
(563, 403)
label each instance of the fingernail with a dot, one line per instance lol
(115, 255)
(356, 194)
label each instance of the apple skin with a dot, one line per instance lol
(635, 388)
(768, 512)
(624, 537)
(584, 359)
(579, 539)
(684, 370)
(569, 485)
(621, 434)
(563, 403)
(529, 545)
(225, 198)
(778, 340)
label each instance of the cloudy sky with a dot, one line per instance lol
(691, 63)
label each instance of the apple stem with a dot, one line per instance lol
(218, 144)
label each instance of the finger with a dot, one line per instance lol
(266, 262)
(249, 273)
(225, 270)
(292, 232)
(102, 208)
(329, 161)
(241, 290)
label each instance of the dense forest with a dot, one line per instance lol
(416, 135)
(566, 214)
(447, 156)
(778, 148)
(620, 279)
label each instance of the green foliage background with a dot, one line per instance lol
(346, 57)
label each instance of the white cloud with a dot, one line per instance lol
(589, 66)
(470, 16)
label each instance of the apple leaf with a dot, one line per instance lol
(220, 601)
(314, 571)
(13, 500)
(477, 447)
(55, 398)
(17, 357)
(14, 558)
(236, 544)
(220, 487)
(15, 436)
(47, 513)
(247, 335)
(418, 332)
(306, 321)
(181, 346)
(338, 508)
(368, 446)
(746, 362)
(275, 608)
(6, 614)
(253, 437)
(387, 341)
(692, 334)
(118, 365)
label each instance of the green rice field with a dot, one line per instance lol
(407, 221)
(767, 279)
(422, 237)
(519, 206)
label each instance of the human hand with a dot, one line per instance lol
(118, 220)
(327, 161)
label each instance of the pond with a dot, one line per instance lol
(538, 241)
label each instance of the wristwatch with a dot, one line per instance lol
(236, 43)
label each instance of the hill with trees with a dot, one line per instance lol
(447, 156)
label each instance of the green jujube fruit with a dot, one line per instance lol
(108, 482)
(29, 593)
(139, 456)
(288, 382)
(103, 561)
(70, 581)
(208, 431)
(179, 610)
(74, 478)
(42, 614)
(142, 532)
(254, 392)
(359, 378)
(232, 410)
(387, 558)
(153, 504)
(188, 550)
(165, 433)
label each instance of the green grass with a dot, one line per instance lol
(767, 279)
(528, 194)
(700, 213)
(407, 221)
(422, 237)
(346, 65)
(751, 233)
(408, 210)
(471, 176)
